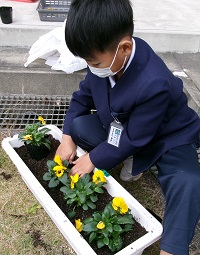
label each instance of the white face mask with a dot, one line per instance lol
(106, 72)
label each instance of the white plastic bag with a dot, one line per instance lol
(53, 48)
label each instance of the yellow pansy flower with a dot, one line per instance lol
(28, 137)
(98, 176)
(59, 169)
(56, 168)
(40, 118)
(57, 159)
(119, 205)
(101, 225)
(74, 179)
(59, 172)
(79, 225)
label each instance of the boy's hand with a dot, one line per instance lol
(67, 148)
(82, 166)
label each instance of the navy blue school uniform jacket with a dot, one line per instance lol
(148, 100)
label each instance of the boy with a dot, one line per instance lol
(142, 114)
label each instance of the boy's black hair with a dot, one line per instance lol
(97, 25)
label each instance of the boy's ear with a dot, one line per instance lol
(126, 47)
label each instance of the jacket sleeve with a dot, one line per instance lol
(81, 104)
(143, 125)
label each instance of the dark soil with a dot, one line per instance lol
(6, 176)
(38, 168)
(36, 237)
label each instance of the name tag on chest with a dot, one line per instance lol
(115, 133)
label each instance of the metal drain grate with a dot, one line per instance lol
(18, 110)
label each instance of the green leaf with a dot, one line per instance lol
(64, 178)
(125, 219)
(106, 212)
(104, 218)
(65, 190)
(87, 186)
(109, 227)
(29, 142)
(91, 205)
(33, 209)
(88, 220)
(47, 139)
(86, 179)
(21, 135)
(53, 182)
(92, 237)
(100, 243)
(65, 163)
(106, 240)
(51, 164)
(127, 228)
(47, 176)
(100, 184)
(118, 243)
(98, 190)
(111, 246)
(114, 219)
(44, 130)
(79, 184)
(93, 198)
(91, 226)
(105, 232)
(71, 195)
(111, 210)
(70, 201)
(88, 191)
(85, 207)
(117, 228)
(82, 197)
(97, 216)
(47, 145)
(71, 214)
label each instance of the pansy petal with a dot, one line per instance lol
(116, 201)
(76, 178)
(59, 173)
(101, 225)
(28, 137)
(120, 205)
(56, 168)
(40, 118)
(57, 160)
(79, 225)
(98, 176)
(72, 185)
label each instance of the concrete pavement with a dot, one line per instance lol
(39, 79)
(168, 26)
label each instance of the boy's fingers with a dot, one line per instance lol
(71, 158)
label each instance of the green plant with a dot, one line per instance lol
(107, 226)
(104, 227)
(82, 191)
(57, 172)
(33, 208)
(36, 134)
(2, 161)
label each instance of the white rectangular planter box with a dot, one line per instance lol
(141, 215)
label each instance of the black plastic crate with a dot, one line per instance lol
(53, 10)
